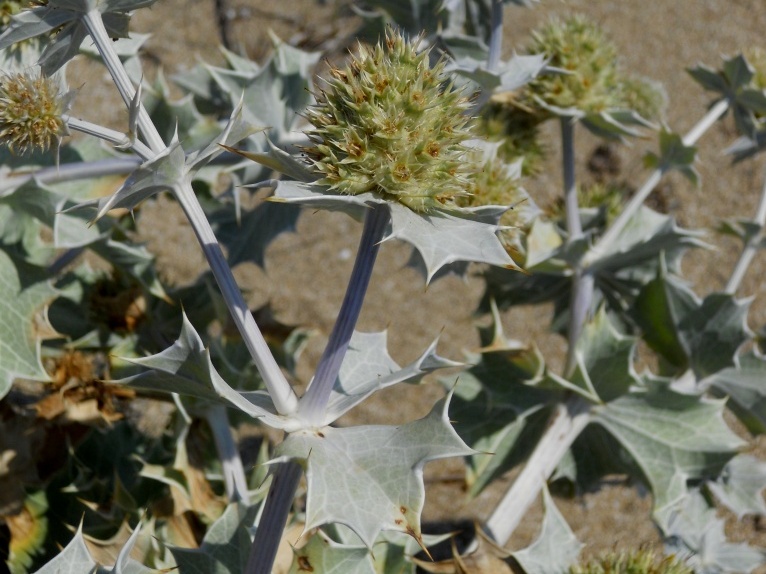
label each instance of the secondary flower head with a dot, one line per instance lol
(390, 124)
(31, 112)
(592, 80)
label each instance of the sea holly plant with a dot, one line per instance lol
(391, 136)
(389, 145)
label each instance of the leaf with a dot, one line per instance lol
(672, 437)
(383, 462)
(441, 237)
(741, 485)
(744, 385)
(322, 554)
(74, 559)
(24, 295)
(556, 549)
(604, 359)
(367, 368)
(226, 545)
(498, 408)
(689, 333)
(185, 368)
(698, 538)
(674, 155)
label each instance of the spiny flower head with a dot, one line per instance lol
(31, 112)
(390, 124)
(593, 81)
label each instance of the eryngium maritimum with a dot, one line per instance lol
(31, 110)
(388, 123)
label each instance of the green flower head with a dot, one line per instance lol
(391, 124)
(592, 81)
(31, 112)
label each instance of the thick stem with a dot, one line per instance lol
(279, 389)
(269, 531)
(569, 420)
(750, 248)
(638, 199)
(103, 42)
(496, 37)
(574, 225)
(314, 402)
(233, 472)
(579, 308)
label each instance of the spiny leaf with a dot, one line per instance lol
(24, 294)
(744, 385)
(384, 462)
(441, 237)
(556, 549)
(225, 547)
(322, 554)
(672, 437)
(741, 485)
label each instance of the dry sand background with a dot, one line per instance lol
(305, 272)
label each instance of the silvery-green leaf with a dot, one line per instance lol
(741, 485)
(615, 124)
(497, 401)
(643, 239)
(440, 236)
(279, 160)
(509, 76)
(322, 554)
(744, 385)
(135, 260)
(744, 229)
(226, 545)
(605, 359)
(185, 368)
(687, 332)
(162, 173)
(674, 155)
(367, 368)
(73, 559)
(383, 462)
(673, 438)
(24, 295)
(556, 549)
(699, 539)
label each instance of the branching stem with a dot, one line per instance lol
(233, 472)
(750, 248)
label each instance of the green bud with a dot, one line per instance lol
(390, 124)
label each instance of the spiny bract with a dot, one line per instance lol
(388, 123)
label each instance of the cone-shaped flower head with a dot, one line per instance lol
(31, 112)
(390, 124)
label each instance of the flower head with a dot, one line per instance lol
(390, 124)
(31, 112)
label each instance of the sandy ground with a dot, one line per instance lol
(305, 272)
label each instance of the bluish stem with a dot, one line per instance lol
(270, 527)
(750, 248)
(313, 403)
(233, 472)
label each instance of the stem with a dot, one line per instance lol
(638, 199)
(579, 307)
(72, 172)
(119, 139)
(496, 37)
(574, 225)
(569, 420)
(269, 531)
(750, 248)
(314, 402)
(279, 389)
(97, 31)
(233, 473)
